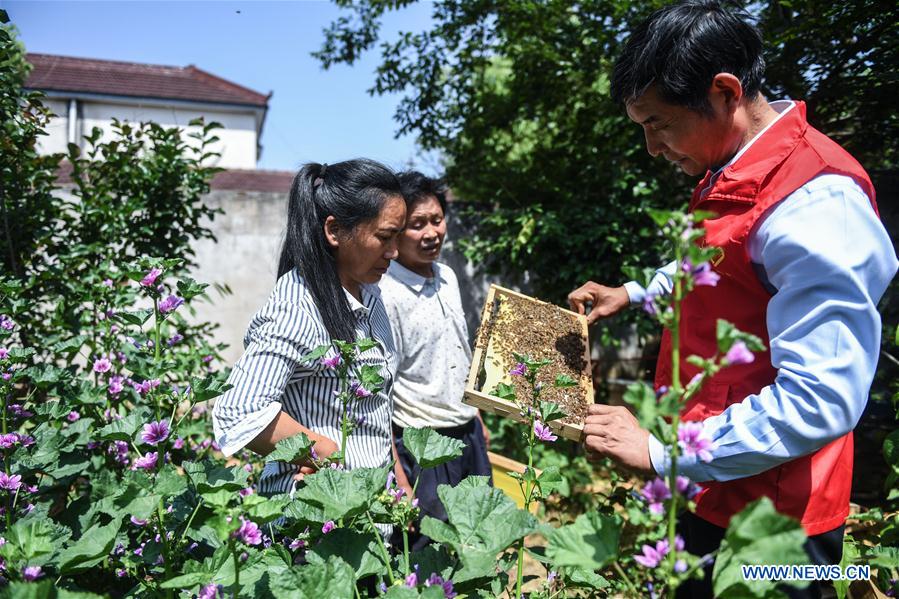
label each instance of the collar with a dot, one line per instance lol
(413, 280)
(740, 179)
(368, 297)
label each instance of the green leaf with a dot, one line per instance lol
(207, 388)
(550, 411)
(757, 535)
(504, 391)
(363, 345)
(563, 380)
(643, 398)
(891, 448)
(341, 494)
(480, 520)
(291, 449)
(370, 377)
(850, 554)
(550, 480)
(334, 578)
(43, 589)
(135, 317)
(28, 539)
(590, 542)
(70, 345)
(579, 577)
(189, 289)
(358, 550)
(316, 354)
(46, 375)
(265, 509)
(127, 427)
(91, 549)
(207, 476)
(430, 448)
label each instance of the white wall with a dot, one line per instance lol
(237, 138)
(56, 139)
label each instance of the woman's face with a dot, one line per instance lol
(363, 254)
(421, 242)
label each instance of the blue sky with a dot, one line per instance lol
(314, 115)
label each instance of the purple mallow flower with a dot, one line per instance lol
(656, 492)
(332, 362)
(6, 322)
(31, 573)
(249, 532)
(102, 365)
(702, 274)
(210, 591)
(739, 354)
(543, 432)
(150, 278)
(10, 483)
(412, 580)
(3, 353)
(245, 492)
(176, 338)
(436, 580)
(520, 369)
(146, 386)
(73, 416)
(155, 432)
(686, 487)
(693, 442)
(8, 440)
(327, 527)
(170, 304)
(148, 462)
(116, 384)
(653, 556)
(359, 391)
(649, 304)
(137, 521)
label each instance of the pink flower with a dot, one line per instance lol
(178, 443)
(359, 391)
(8, 440)
(3, 353)
(686, 487)
(520, 369)
(102, 365)
(151, 277)
(10, 483)
(73, 416)
(249, 532)
(693, 442)
(543, 432)
(397, 494)
(7, 376)
(31, 573)
(148, 462)
(245, 492)
(107, 283)
(653, 556)
(6, 322)
(155, 432)
(703, 275)
(138, 521)
(296, 543)
(210, 591)
(739, 354)
(327, 527)
(656, 492)
(116, 384)
(649, 304)
(146, 386)
(332, 362)
(412, 580)
(170, 304)
(391, 477)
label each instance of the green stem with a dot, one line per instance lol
(384, 554)
(406, 550)
(527, 507)
(235, 588)
(167, 556)
(675, 421)
(626, 579)
(190, 520)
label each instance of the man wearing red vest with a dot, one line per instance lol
(805, 261)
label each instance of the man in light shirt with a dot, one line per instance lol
(805, 260)
(431, 337)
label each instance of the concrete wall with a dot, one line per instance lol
(237, 138)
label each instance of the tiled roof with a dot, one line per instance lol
(253, 180)
(228, 180)
(86, 75)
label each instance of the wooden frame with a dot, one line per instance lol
(475, 396)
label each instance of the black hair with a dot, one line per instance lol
(680, 48)
(417, 187)
(353, 192)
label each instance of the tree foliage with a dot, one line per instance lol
(514, 95)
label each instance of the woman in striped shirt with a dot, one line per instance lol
(343, 221)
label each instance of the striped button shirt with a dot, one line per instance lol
(270, 377)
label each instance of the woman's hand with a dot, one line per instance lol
(323, 447)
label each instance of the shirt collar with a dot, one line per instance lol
(782, 107)
(361, 308)
(413, 280)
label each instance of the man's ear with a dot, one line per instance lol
(332, 230)
(726, 92)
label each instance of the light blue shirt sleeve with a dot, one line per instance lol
(830, 259)
(660, 284)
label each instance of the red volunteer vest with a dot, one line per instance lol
(815, 488)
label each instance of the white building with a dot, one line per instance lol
(86, 93)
